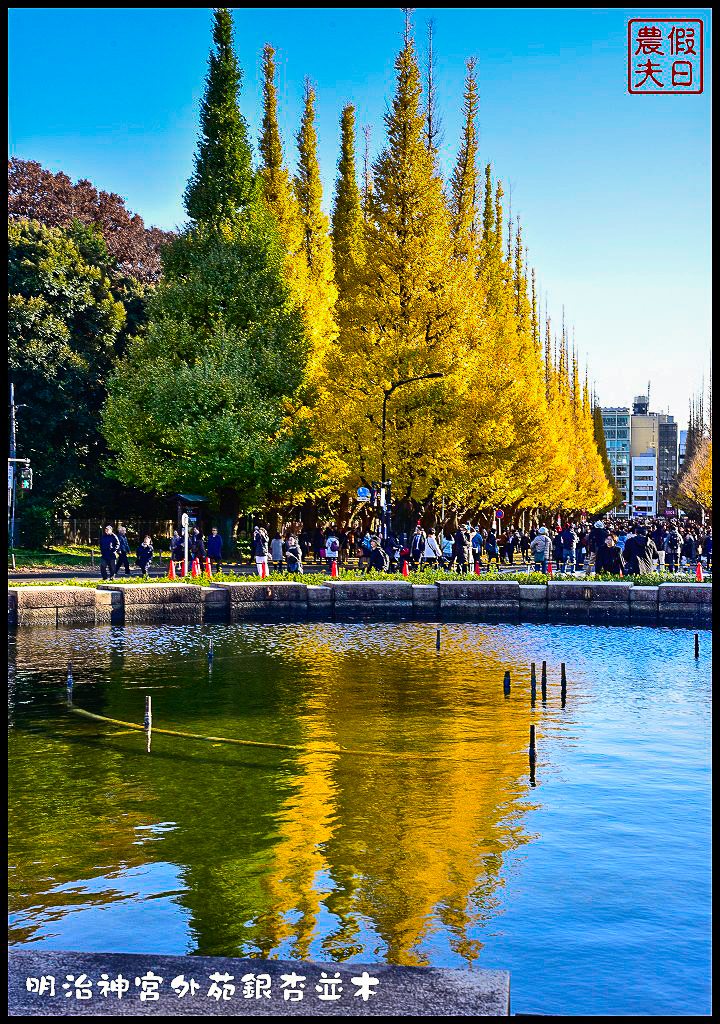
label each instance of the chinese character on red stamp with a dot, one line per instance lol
(665, 55)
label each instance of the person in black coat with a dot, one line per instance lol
(123, 551)
(144, 556)
(639, 552)
(197, 547)
(609, 558)
(378, 559)
(109, 546)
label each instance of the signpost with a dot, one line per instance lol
(186, 532)
(499, 513)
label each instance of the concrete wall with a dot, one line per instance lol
(621, 603)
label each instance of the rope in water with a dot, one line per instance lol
(257, 743)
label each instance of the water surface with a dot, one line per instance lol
(590, 882)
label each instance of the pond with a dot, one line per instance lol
(424, 839)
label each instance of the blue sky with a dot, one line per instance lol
(613, 190)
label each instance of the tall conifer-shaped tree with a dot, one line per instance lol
(276, 184)
(403, 339)
(320, 307)
(210, 399)
(348, 234)
(223, 178)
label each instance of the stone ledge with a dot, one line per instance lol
(55, 597)
(400, 991)
(685, 593)
(154, 593)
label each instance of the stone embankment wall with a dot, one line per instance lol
(669, 604)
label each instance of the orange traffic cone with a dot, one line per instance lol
(477, 568)
(195, 568)
(699, 574)
(333, 568)
(405, 568)
(549, 572)
(171, 570)
(263, 571)
(208, 568)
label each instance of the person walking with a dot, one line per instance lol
(447, 546)
(109, 546)
(463, 548)
(144, 555)
(492, 549)
(688, 550)
(293, 555)
(417, 546)
(214, 550)
(177, 552)
(379, 560)
(123, 551)
(332, 550)
(478, 546)
(260, 547)
(609, 558)
(707, 548)
(541, 550)
(568, 539)
(432, 555)
(197, 547)
(276, 552)
(673, 543)
(639, 552)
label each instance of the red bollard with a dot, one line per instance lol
(263, 570)
(333, 568)
(477, 568)
(195, 568)
(171, 570)
(208, 568)
(699, 574)
(549, 572)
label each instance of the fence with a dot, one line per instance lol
(87, 531)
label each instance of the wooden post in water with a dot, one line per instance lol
(506, 684)
(532, 755)
(697, 645)
(210, 652)
(563, 684)
(533, 680)
(69, 682)
(543, 681)
(437, 641)
(148, 713)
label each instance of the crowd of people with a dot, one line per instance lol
(613, 546)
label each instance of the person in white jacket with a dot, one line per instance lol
(432, 552)
(541, 550)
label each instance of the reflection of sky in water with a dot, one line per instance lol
(441, 854)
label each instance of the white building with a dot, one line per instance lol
(644, 485)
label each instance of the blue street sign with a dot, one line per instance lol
(499, 513)
(363, 493)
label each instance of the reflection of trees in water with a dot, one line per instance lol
(272, 845)
(403, 844)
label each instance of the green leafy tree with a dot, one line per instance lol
(64, 330)
(210, 398)
(223, 178)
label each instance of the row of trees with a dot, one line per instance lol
(289, 357)
(282, 357)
